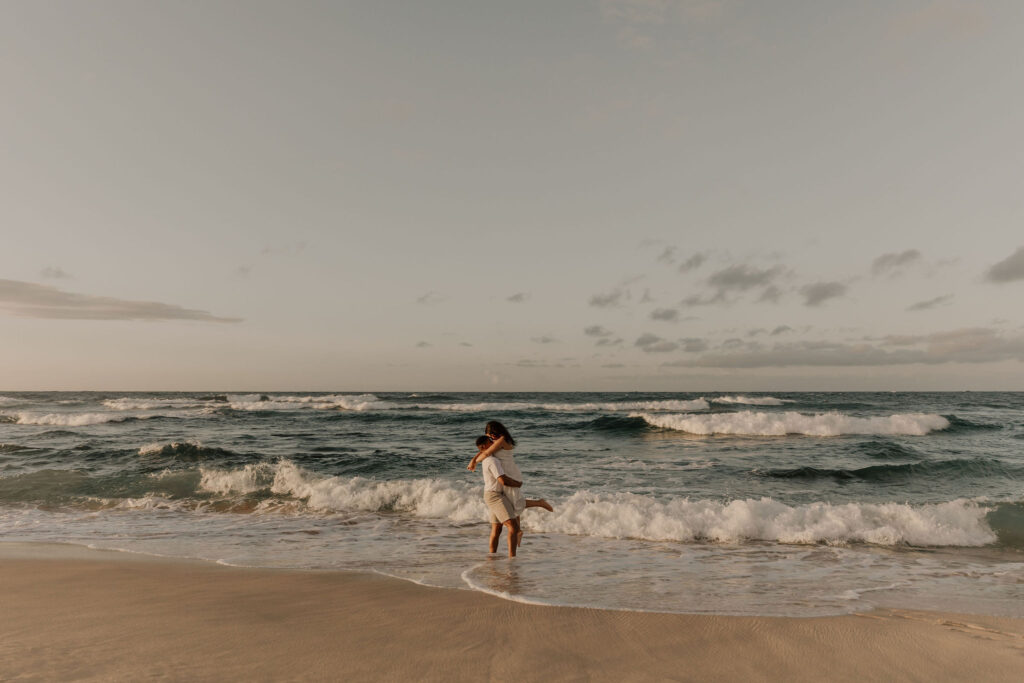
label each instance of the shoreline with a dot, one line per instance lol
(73, 612)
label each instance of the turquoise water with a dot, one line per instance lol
(797, 504)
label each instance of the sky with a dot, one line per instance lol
(606, 195)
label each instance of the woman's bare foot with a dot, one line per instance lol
(539, 503)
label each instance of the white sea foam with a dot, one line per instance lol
(246, 480)
(752, 400)
(496, 407)
(779, 424)
(623, 515)
(67, 419)
(8, 399)
(956, 523)
(359, 402)
(129, 403)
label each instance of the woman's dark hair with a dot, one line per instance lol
(496, 429)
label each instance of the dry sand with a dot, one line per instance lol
(73, 614)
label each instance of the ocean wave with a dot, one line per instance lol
(186, 450)
(956, 523)
(955, 468)
(779, 424)
(613, 406)
(6, 400)
(752, 400)
(74, 419)
(129, 403)
(263, 402)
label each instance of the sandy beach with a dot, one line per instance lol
(74, 614)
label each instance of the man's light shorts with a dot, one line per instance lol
(499, 506)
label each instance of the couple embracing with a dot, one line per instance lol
(503, 484)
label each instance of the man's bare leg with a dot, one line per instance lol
(513, 533)
(495, 535)
(539, 503)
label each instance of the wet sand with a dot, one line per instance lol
(68, 613)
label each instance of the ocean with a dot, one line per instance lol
(796, 504)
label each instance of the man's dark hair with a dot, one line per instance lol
(482, 441)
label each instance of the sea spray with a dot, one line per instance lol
(749, 423)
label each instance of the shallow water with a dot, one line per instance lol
(781, 504)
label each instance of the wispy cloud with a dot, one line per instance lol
(597, 331)
(544, 339)
(652, 343)
(930, 303)
(891, 264)
(1009, 269)
(430, 298)
(423, 345)
(30, 300)
(818, 293)
(737, 279)
(968, 345)
(781, 329)
(695, 261)
(54, 273)
(669, 315)
(518, 298)
(611, 299)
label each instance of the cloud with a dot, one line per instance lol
(668, 255)
(613, 365)
(818, 293)
(968, 345)
(467, 344)
(742, 277)
(781, 329)
(243, 271)
(30, 300)
(646, 298)
(54, 273)
(892, 263)
(545, 339)
(609, 342)
(694, 345)
(652, 343)
(771, 293)
(1009, 269)
(597, 331)
(423, 345)
(695, 261)
(669, 315)
(518, 297)
(931, 303)
(430, 298)
(610, 299)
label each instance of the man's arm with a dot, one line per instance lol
(488, 452)
(509, 481)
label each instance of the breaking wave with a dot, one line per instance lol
(752, 400)
(955, 468)
(779, 424)
(74, 419)
(623, 515)
(613, 406)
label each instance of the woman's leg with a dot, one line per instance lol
(539, 503)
